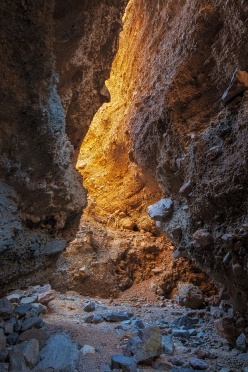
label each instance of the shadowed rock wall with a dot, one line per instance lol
(187, 136)
(41, 196)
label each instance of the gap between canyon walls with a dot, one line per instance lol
(118, 244)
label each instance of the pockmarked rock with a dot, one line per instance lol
(190, 296)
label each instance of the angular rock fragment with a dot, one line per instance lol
(87, 349)
(30, 351)
(238, 85)
(54, 247)
(6, 309)
(146, 345)
(198, 364)
(36, 321)
(23, 309)
(203, 237)
(124, 363)
(90, 307)
(17, 361)
(39, 334)
(117, 316)
(161, 210)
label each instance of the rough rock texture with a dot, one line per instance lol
(180, 99)
(41, 196)
(192, 141)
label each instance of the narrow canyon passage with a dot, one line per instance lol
(123, 191)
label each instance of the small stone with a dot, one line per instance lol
(182, 333)
(124, 363)
(14, 298)
(168, 345)
(8, 328)
(17, 361)
(12, 338)
(31, 322)
(6, 309)
(203, 237)
(39, 334)
(138, 324)
(30, 351)
(117, 316)
(186, 189)
(87, 349)
(198, 364)
(241, 342)
(97, 318)
(176, 361)
(46, 297)
(41, 309)
(23, 309)
(54, 247)
(161, 364)
(91, 306)
(28, 300)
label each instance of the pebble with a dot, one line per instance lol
(198, 364)
(87, 349)
(91, 306)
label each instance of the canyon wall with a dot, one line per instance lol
(52, 55)
(178, 115)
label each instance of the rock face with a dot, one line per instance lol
(53, 56)
(180, 98)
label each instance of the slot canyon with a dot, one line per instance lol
(124, 184)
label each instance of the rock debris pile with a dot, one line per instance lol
(43, 330)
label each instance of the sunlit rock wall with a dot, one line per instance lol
(178, 91)
(41, 195)
(191, 137)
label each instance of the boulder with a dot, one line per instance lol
(146, 345)
(60, 352)
(226, 328)
(161, 210)
(190, 296)
(30, 351)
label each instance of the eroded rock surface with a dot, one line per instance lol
(53, 56)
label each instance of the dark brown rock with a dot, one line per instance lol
(39, 334)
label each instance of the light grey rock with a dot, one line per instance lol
(87, 349)
(28, 300)
(241, 342)
(30, 351)
(60, 352)
(124, 363)
(161, 210)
